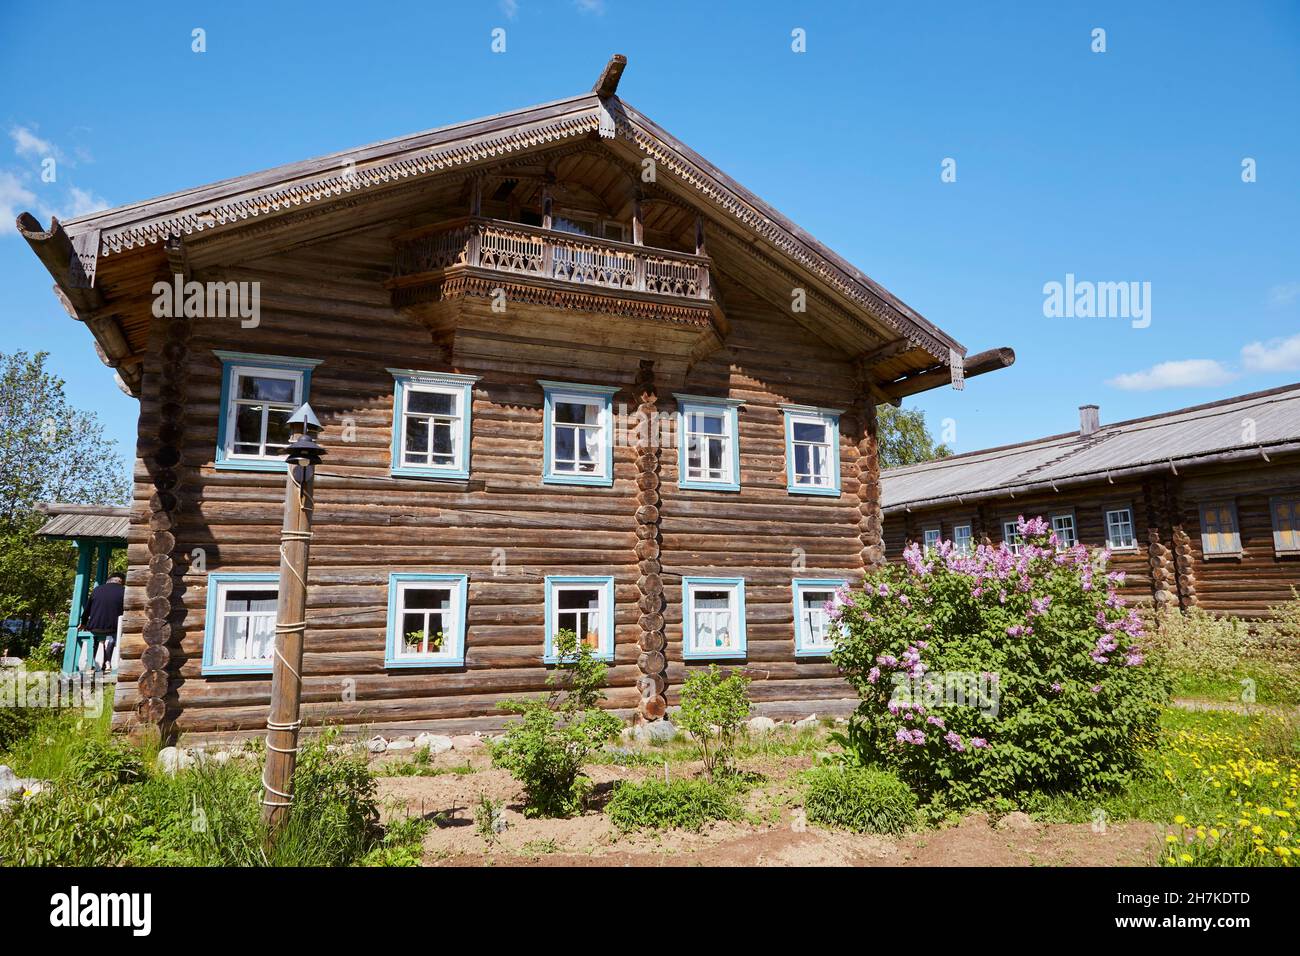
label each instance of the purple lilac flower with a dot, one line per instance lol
(979, 743)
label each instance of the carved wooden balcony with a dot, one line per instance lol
(514, 253)
(472, 279)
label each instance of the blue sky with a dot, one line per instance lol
(1116, 166)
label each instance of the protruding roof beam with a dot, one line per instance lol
(73, 284)
(607, 85)
(978, 364)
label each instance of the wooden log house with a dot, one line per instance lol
(1200, 507)
(486, 317)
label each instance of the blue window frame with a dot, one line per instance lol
(813, 629)
(258, 394)
(578, 434)
(584, 605)
(713, 618)
(708, 443)
(426, 620)
(239, 627)
(812, 450)
(431, 424)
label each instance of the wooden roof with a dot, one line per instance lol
(104, 523)
(1188, 436)
(105, 260)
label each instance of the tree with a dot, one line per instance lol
(904, 438)
(49, 451)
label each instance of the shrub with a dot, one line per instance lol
(859, 799)
(713, 710)
(545, 750)
(1199, 643)
(104, 764)
(66, 826)
(1038, 646)
(681, 804)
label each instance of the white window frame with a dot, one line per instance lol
(735, 590)
(598, 396)
(219, 585)
(453, 650)
(963, 544)
(931, 537)
(804, 643)
(1011, 536)
(1065, 516)
(726, 409)
(1233, 549)
(237, 365)
(1111, 542)
(1285, 541)
(461, 387)
(559, 584)
(829, 420)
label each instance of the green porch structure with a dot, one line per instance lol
(96, 531)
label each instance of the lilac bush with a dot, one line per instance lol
(996, 675)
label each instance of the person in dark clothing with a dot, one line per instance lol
(101, 614)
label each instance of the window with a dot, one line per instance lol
(814, 633)
(1011, 535)
(1286, 525)
(426, 620)
(707, 449)
(1063, 525)
(961, 538)
(1219, 535)
(812, 450)
(931, 537)
(584, 605)
(713, 617)
(1119, 529)
(239, 631)
(431, 424)
(258, 395)
(579, 434)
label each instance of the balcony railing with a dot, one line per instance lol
(516, 249)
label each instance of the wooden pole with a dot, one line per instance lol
(284, 722)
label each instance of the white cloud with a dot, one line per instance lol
(590, 6)
(1275, 355)
(1284, 294)
(509, 8)
(27, 143)
(14, 198)
(79, 202)
(1187, 373)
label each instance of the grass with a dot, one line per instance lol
(784, 741)
(107, 805)
(653, 804)
(1272, 685)
(1226, 784)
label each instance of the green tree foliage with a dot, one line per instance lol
(49, 451)
(904, 438)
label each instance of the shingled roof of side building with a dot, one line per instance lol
(1244, 428)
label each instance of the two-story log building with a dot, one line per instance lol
(481, 315)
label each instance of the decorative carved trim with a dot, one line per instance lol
(482, 287)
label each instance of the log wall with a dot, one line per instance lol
(504, 527)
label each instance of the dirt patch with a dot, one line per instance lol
(773, 833)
